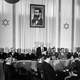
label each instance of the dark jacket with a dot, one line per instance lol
(47, 70)
(38, 51)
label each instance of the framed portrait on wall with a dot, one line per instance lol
(37, 16)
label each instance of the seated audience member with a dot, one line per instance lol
(30, 52)
(79, 54)
(9, 69)
(63, 55)
(34, 50)
(24, 54)
(53, 50)
(59, 66)
(77, 49)
(3, 54)
(66, 50)
(19, 50)
(46, 70)
(69, 55)
(6, 50)
(53, 57)
(27, 54)
(74, 69)
(56, 55)
(18, 54)
(49, 51)
(33, 55)
(58, 50)
(9, 60)
(75, 55)
(12, 51)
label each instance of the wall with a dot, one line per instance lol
(66, 19)
(26, 36)
(58, 13)
(6, 31)
(18, 33)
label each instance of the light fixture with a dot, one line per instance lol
(12, 1)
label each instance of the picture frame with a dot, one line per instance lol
(37, 16)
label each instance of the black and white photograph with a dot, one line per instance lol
(39, 39)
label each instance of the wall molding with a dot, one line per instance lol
(14, 25)
(59, 20)
(72, 39)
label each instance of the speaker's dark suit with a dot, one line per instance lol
(39, 52)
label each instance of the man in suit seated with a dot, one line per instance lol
(33, 54)
(18, 54)
(8, 66)
(74, 70)
(46, 70)
(3, 54)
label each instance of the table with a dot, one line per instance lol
(27, 64)
(60, 64)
